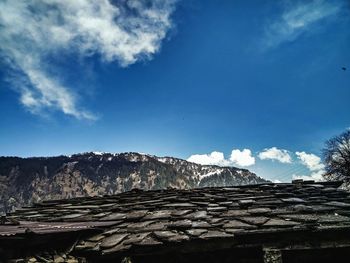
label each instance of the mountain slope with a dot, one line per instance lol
(27, 180)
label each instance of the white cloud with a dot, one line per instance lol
(214, 158)
(311, 161)
(32, 31)
(274, 153)
(299, 17)
(245, 158)
(314, 164)
(242, 158)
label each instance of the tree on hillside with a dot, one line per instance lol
(336, 156)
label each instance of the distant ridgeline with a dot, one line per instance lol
(27, 180)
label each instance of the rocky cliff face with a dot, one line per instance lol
(27, 180)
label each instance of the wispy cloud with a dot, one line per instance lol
(299, 17)
(274, 153)
(31, 31)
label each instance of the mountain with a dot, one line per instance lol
(27, 180)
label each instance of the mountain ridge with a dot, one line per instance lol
(34, 179)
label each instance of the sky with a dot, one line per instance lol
(252, 84)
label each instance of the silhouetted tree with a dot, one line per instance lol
(336, 156)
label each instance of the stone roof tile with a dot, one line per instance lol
(136, 219)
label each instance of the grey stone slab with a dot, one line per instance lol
(86, 245)
(215, 220)
(269, 203)
(201, 224)
(114, 216)
(180, 205)
(334, 218)
(238, 224)
(259, 211)
(157, 226)
(235, 213)
(138, 225)
(318, 186)
(215, 234)
(69, 216)
(254, 220)
(280, 223)
(197, 215)
(135, 238)
(322, 208)
(181, 224)
(112, 240)
(329, 190)
(106, 205)
(178, 238)
(84, 207)
(227, 203)
(180, 212)
(96, 238)
(301, 208)
(196, 232)
(164, 235)
(246, 202)
(149, 241)
(161, 214)
(284, 195)
(136, 214)
(338, 204)
(217, 209)
(111, 231)
(235, 230)
(100, 215)
(199, 203)
(293, 200)
(307, 218)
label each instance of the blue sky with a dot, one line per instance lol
(259, 83)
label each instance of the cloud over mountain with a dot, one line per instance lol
(293, 165)
(241, 158)
(214, 158)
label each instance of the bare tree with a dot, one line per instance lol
(336, 156)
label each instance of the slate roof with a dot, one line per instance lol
(25, 227)
(141, 221)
